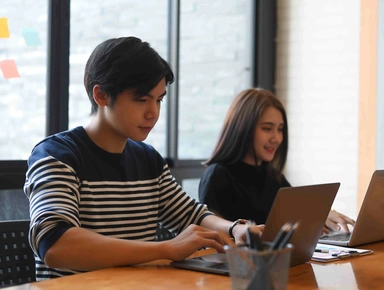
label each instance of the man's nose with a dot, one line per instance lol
(152, 111)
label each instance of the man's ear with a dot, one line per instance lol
(101, 98)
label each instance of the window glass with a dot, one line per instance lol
(23, 64)
(91, 24)
(214, 67)
(191, 186)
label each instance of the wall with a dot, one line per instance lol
(317, 78)
(368, 122)
(380, 89)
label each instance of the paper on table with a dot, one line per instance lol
(337, 253)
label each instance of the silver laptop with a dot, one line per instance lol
(369, 225)
(309, 205)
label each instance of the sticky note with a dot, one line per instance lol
(4, 31)
(9, 69)
(31, 36)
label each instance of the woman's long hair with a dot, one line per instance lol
(237, 134)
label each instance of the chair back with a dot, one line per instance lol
(163, 234)
(17, 262)
(14, 204)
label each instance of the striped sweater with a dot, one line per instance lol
(71, 182)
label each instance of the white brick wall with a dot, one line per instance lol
(318, 81)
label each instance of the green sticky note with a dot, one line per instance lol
(31, 36)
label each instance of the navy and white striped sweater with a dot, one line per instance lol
(71, 182)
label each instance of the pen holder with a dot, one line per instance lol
(252, 269)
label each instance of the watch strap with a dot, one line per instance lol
(238, 221)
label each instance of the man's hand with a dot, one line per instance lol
(192, 239)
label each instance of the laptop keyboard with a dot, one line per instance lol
(337, 237)
(220, 266)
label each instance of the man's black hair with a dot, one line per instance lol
(119, 64)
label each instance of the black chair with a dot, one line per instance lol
(14, 205)
(17, 262)
(162, 234)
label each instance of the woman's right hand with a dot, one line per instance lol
(239, 232)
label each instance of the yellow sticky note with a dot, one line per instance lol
(4, 31)
(9, 69)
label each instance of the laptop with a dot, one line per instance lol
(310, 205)
(369, 225)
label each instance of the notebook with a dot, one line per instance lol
(370, 220)
(331, 253)
(309, 205)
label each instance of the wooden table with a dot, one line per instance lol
(355, 273)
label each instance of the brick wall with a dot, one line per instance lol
(318, 81)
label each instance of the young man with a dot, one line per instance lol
(97, 192)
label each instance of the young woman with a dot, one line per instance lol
(245, 170)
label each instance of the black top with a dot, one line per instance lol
(239, 190)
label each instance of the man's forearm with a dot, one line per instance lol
(217, 224)
(84, 250)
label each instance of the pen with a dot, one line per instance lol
(343, 255)
(356, 253)
(321, 251)
(280, 237)
(254, 241)
(280, 242)
(346, 254)
(285, 239)
(288, 236)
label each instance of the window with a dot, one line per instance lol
(191, 186)
(215, 64)
(113, 19)
(210, 47)
(23, 62)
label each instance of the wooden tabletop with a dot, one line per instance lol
(365, 272)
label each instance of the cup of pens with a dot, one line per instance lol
(252, 269)
(260, 265)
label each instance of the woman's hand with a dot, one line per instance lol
(239, 232)
(337, 221)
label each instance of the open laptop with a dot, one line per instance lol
(369, 225)
(309, 205)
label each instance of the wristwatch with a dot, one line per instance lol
(239, 221)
